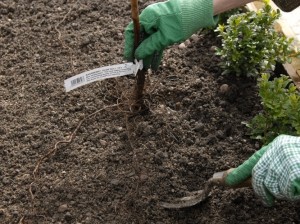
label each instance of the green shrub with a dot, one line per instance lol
(250, 45)
(223, 17)
(281, 109)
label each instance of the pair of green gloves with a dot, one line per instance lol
(275, 169)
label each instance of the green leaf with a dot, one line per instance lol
(281, 109)
(250, 43)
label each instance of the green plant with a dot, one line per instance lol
(250, 44)
(281, 109)
(223, 17)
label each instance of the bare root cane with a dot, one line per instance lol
(140, 77)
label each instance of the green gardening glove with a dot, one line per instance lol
(166, 23)
(275, 170)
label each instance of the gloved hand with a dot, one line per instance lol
(275, 170)
(166, 23)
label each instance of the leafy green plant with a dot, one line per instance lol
(250, 44)
(281, 109)
(223, 17)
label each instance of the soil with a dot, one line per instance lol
(117, 166)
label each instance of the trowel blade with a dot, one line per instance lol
(195, 198)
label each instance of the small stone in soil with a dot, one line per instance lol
(224, 88)
(194, 37)
(181, 46)
(63, 208)
(187, 42)
(213, 48)
(103, 143)
(115, 181)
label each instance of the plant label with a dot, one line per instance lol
(102, 73)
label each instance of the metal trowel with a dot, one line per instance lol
(195, 197)
(287, 5)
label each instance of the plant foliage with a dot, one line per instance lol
(281, 109)
(250, 44)
(223, 17)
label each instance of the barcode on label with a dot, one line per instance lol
(102, 73)
(77, 81)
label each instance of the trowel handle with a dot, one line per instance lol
(219, 179)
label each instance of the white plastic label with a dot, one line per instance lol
(102, 73)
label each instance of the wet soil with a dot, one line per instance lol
(117, 166)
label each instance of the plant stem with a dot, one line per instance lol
(136, 22)
(140, 77)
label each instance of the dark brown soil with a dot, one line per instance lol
(118, 167)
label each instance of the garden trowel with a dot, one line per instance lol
(195, 197)
(287, 5)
